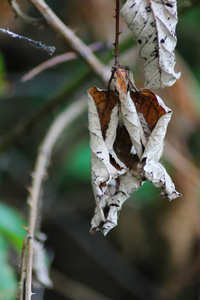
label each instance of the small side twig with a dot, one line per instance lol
(23, 268)
(49, 49)
(181, 164)
(73, 289)
(26, 18)
(60, 123)
(55, 61)
(76, 43)
(49, 64)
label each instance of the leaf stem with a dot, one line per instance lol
(116, 45)
(117, 33)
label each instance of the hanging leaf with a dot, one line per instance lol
(127, 129)
(103, 110)
(153, 25)
(146, 118)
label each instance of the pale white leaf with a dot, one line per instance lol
(157, 174)
(131, 122)
(103, 172)
(107, 209)
(153, 24)
(151, 143)
(100, 147)
(155, 142)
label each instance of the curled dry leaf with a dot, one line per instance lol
(127, 129)
(153, 24)
(146, 118)
(105, 165)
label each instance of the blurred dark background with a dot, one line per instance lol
(154, 252)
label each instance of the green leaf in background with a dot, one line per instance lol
(147, 195)
(8, 279)
(11, 224)
(3, 84)
(78, 163)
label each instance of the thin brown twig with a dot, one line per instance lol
(117, 33)
(183, 278)
(72, 289)
(37, 44)
(55, 61)
(49, 64)
(26, 18)
(116, 54)
(182, 164)
(61, 122)
(23, 268)
(75, 42)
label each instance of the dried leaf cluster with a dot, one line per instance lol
(127, 126)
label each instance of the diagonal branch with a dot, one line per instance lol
(75, 42)
(181, 164)
(49, 49)
(48, 64)
(55, 61)
(61, 123)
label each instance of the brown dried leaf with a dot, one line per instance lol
(122, 148)
(105, 102)
(147, 104)
(121, 77)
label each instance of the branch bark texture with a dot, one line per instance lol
(60, 124)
